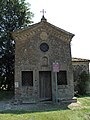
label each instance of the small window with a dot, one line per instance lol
(44, 47)
(62, 78)
(44, 61)
(27, 78)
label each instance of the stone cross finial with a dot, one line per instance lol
(43, 11)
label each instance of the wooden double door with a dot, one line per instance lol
(45, 85)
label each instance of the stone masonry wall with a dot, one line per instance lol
(29, 57)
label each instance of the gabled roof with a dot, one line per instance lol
(80, 60)
(44, 23)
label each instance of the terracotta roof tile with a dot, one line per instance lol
(80, 60)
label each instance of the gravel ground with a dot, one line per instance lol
(3, 105)
(7, 105)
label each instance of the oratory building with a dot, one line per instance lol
(43, 63)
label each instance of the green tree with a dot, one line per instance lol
(14, 14)
(82, 83)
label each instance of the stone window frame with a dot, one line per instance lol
(44, 47)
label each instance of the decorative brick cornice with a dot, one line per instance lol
(42, 27)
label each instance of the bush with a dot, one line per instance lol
(82, 83)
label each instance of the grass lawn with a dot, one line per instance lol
(81, 112)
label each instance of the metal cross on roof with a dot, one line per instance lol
(43, 11)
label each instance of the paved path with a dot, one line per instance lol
(3, 105)
(6, 105)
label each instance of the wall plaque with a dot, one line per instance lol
(16, 84)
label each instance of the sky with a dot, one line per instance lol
(70, 15)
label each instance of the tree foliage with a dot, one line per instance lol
(14, 14)
(82, 83)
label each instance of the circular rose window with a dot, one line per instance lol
(44, 47)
